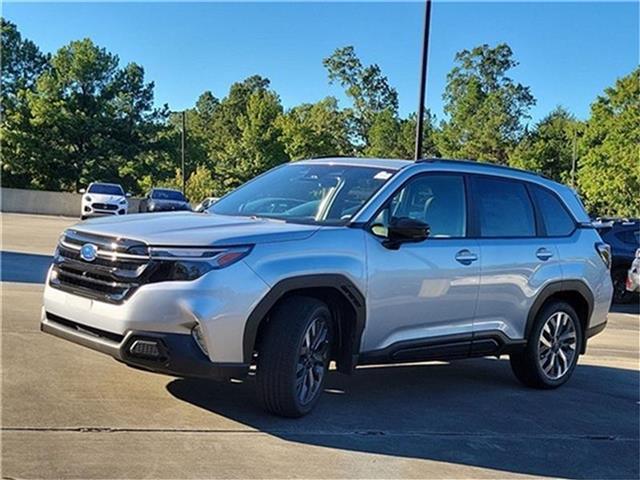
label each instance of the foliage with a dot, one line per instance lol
(551, 147)
(22, 64)
(314, 130)
(485, 107)
(86, 118)
(78, 116)
(367, 87)
(609, 169)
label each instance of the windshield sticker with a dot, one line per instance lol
(382, 175)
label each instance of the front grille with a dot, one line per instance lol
(104, 206)
(119, 267)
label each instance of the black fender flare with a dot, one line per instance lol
(339, 282)
(560, 286)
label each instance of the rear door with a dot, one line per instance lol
(516, 258)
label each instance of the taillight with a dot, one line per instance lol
(604, 250)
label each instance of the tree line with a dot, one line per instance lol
(78, 115)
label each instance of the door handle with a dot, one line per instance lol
(543, 254)
(466, 257)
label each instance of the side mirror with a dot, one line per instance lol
(128, 194)
(83, 190)
(405, 230)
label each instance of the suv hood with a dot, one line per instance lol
(196, 229)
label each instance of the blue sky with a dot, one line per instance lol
(568, 52)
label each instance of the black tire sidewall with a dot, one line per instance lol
(534, 340)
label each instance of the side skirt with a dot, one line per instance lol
(448, 347)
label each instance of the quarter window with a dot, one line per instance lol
(504, 208)
(557, 221)
(438, 200)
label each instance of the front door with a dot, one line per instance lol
(422, 291)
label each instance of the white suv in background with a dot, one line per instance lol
(103, 199)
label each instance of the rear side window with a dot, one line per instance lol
(557, 221)
(503, 207)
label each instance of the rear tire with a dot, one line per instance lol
(552, 350)
(293, 356)
(620, 292)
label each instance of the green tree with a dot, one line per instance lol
(22, 64)
(242, 136)
(89, 119)
(394, 137)
(609, 166)
(550, 148)
(367, 87)
(318, 129)
(485, 107)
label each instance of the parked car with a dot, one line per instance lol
(205, 204)
(103, 199)
(624, 237)
(357, 261)
(164, 200)
(633, 276)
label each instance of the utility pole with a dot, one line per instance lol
(573, 158)
(183, 140)
(423, 79)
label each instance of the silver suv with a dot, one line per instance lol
(356, 261)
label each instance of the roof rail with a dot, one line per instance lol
(477, 163)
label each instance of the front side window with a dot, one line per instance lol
(303, 193)
(104, 189)
(504, 208)
(437, 200)
(557, 221)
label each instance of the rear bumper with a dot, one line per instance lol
(167, 353)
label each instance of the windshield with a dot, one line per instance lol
(167, 195)
(104, 189)
(305, 193)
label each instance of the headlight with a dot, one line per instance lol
(87, 198)
(184, 263)
(123, 201)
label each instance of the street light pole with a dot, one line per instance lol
(183, 140)
(423, 79)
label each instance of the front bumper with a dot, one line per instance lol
(167, 353)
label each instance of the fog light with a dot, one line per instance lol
(198, 336)
(145, 348)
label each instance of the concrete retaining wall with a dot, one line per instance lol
(41, 202)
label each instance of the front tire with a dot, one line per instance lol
(552, 350)
(293, 356)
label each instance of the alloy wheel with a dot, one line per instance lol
(557, 345)
(312, 360)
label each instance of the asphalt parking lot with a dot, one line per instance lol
(74, 413)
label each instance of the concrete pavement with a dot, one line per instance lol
(68, 412)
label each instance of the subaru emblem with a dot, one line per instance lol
(89, 252)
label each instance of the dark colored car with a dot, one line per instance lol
(624, 238)
(164, 200)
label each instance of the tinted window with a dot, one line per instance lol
(167, 195)
(557, 221)
(504, 208)
(632, 237)
(104, 189)
(437, 200)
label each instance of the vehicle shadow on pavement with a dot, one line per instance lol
(471, 412)
(24, 267)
